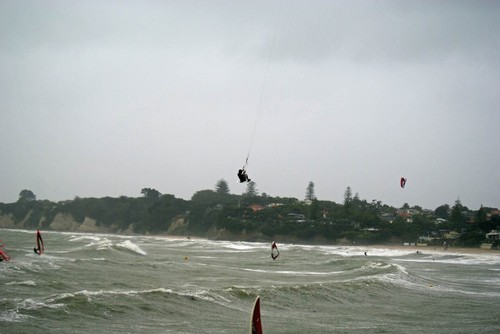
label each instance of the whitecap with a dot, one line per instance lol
(239, 246)
(12, 316)
(206, 295)
(84, 237)
(25, 283)
(101, 244)
(31, 304)
(294, 273)
(129, 245)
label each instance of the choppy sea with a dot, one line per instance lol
(100, 283)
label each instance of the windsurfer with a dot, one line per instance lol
(3, 255)
(274, 251)
(39, 243)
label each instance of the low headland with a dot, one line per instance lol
(219, 215)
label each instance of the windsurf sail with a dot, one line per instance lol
(402, 182)
(3, 255)
(255, 323)
(39, 243)
(274, 251)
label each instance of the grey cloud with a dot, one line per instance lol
(110, 97)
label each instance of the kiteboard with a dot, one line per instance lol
(255, 323)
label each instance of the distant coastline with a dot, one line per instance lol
(287, 240)
(218, 215)
(434, 250)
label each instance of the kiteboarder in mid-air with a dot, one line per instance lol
(242, 175)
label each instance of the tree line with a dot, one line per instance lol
(263, 217)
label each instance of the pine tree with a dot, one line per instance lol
(221, 187)
(251, 189)
(347, 199)
(310, 196)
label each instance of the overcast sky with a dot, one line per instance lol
(105, 98)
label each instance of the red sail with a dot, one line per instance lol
(39, 242)
(274, 251)
(256, 325)
(402, 182)
(4, 256)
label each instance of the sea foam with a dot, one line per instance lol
(129, 245)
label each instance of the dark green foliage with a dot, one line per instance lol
(457, 217)
(442, 211)
(221, 187)
(313, 211)
(26, 196)
(150, 193)
(310, 195)
(159, 214)
(472, 238)
(251, 189)
(35, 214)
(347, 199)
(481, 216)
(264, 217)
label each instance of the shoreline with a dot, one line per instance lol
(362, 248)
(435, 249)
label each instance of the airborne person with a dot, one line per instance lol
(242, 175)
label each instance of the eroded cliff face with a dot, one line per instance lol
(61, 222)
(7, 221)
(90, 225)
(64, 222)
(178, 227)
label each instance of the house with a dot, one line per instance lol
(452, 235)
(493, 235)
(494, 212)
(387, 217)
(256, 207)
(440, 221)
(297, 217)
(406, 215)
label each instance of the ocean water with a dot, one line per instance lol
(97, 283)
